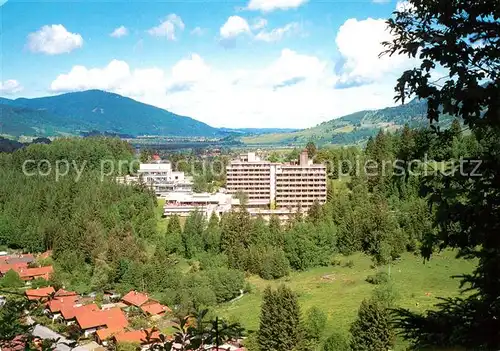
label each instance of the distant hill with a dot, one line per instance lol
(91, 111)
(352, 129)
(7, 145)
(257, 131)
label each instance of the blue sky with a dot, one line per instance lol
(251, 63)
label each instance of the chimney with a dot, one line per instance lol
(304, 158)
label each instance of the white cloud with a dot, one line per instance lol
(187, 72)
(277, 33)
(10, 86)
(271, 5)
(234, 26)
(168, 27)
(116, 77)
(360, 44)
(119, 32)
(198, 31)
(259, 23)
(294, 89)
(54, 40)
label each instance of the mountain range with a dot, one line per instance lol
(89, 110)
(355, 128)
(94, 111)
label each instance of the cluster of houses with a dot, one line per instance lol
(20, 263)
(109, 322)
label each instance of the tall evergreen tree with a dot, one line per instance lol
(311, 149)
(173, 236)
(192, 235)
(372, 331)
(212, 234)
(280, 325)
(276, 232)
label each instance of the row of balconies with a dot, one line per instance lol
(248, 181)
(267, 178)
(248, 174)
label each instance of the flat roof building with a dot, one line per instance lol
(160, 177)
(277, 186)
(182, 204)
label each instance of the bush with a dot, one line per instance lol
(336, 342)
(315, 323)
(11, 280)
(275, 264)
(378, 278)
(349, 264)
(335, 262)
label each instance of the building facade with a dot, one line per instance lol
(182, 204)
(277, 186)
(160, 176)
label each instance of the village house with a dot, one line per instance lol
(145, 303)
(69, 312)
(28, 274)
(39, 294)
(135, 336)
(91, 321)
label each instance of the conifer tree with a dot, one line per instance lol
(280, 326)
(314, 213)
(173, 237)
(372, 331)
(211, 235)
(192, 235)
(276, 232)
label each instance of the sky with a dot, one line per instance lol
(231, 63)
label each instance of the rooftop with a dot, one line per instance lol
(155, 308)
(37, 294)
(140, 336)
(135, 298)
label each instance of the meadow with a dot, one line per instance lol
(338, 290)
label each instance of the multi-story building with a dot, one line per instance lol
(163, 179)
(302, 183)
(252, 176)
(277, 186)
(182, 204)
(160, 177)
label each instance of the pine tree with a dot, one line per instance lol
(280, 326)
(212, 234)
(192, 235)
(372, 331)
(314, 213)
(173, 236)
(311, 149)
(276, 232)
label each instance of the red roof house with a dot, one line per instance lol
(34, 273)
(57, 305)
(138, 336)
(155, 308)
(91, 321)
(69, 312)
(5, 267)
(39, 294)
(135, 298)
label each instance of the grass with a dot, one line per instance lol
(339, 290)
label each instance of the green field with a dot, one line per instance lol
(339, 290)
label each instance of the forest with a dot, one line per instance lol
(104, 235)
